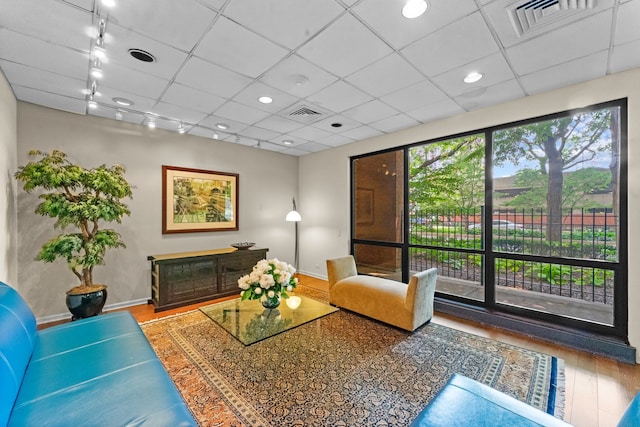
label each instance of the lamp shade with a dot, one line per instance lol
(293, 216)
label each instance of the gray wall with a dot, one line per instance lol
(267, 182)
(8, 165)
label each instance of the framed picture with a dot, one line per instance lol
(195, 200)
(364, 205)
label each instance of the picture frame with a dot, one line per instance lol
(197, 200)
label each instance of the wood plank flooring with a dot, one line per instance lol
(598, 390)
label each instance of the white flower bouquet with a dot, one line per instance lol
(269, 281)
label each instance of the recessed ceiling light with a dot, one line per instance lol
(222, 126)
(109, 3)
(265, 99)
(336, 125)
(122, 101)
(142, 55)
(414, 8)
(287, 142)
(473, 77)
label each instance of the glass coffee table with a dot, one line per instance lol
(250, 322)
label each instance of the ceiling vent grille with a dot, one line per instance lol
(304, 113)
(532, 15)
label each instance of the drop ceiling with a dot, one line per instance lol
(355, 63)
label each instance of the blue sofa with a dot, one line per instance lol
(464, 402)
(96, 371)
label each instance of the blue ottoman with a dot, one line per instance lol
(464, 402)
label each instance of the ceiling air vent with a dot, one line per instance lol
(531, 15)
(304, 113)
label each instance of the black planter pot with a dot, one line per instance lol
(86, 305)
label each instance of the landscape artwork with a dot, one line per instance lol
(195, 200)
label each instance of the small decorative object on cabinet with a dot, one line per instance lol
(188, 277)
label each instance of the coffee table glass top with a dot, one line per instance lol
(250, 322)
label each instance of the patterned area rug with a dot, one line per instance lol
(340, 370)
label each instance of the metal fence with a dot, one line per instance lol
(452, 240)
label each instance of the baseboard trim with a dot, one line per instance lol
(108, 307)
(606, 346)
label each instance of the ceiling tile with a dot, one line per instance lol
(434, 111)
(339, 96)
(496, 94)
(171, 125)
(35, 78)
(215, 4)
(84, 4)
(386, 18)
(562, 45)
(298, 77)
(457, 44)
(204, 132)
(110, 113)
(178, 24)
(233, 46)
(40, 54)
(191, 98)
(370, 112)
(309, 133)
(582, 69)
(168, 59)
(51, 100)
(312, 147)
(627, 28)
(210, 78)
(279, 124)
(249, 96)
(395, 123)
(240, 112)
(385, 76)
(265, 145)
(140, 103)
(132, 81)
(338, 48)
(494, 70)
(213, 120)
(294, 152)
(57, 23)
(335, 140)
(415, 96)
(360, 133)
(177, 112)
(259, 133)
(286, 22)
(625, 57)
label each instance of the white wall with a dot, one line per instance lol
(267, 182)
(8, 165)
(324, 177)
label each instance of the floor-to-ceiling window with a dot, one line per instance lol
(528, 217)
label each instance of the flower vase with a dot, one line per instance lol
(271, 303)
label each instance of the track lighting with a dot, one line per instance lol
(181, 129)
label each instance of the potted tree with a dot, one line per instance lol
(80, 198)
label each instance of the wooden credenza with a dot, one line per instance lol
(188, 277)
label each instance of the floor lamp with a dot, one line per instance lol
(294, 217)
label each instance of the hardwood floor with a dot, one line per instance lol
(598, 390)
